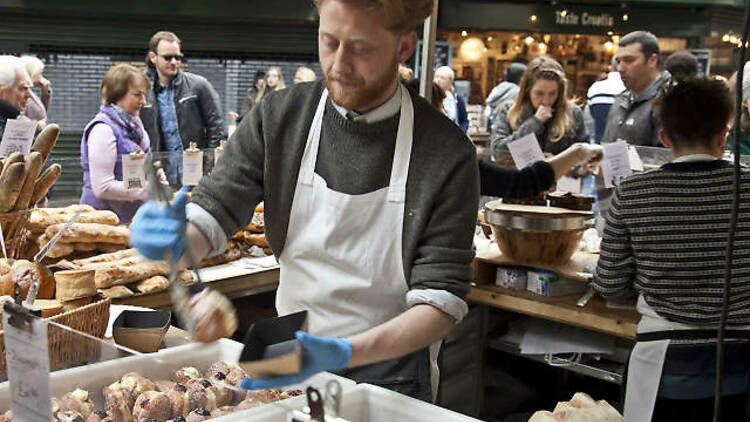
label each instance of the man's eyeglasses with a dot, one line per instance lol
(169, 57)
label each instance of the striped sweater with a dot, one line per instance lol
(666, 236)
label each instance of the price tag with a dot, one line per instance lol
(28, 368)
(133, 173)
(17, 137)
(569, 184)
(636, 164)
(616, 164)
(525, 151)
(192, 167)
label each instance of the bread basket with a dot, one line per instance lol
(14, 231)
(536, 235)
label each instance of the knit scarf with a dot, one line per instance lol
(125, 120)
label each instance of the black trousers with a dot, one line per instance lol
(733, 409)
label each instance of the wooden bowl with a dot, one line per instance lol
(535, 247)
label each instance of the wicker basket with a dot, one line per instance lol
(14, 231)
(67, 349)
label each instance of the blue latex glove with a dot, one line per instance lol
(320, 354)
(157, 228)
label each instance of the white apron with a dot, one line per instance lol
(342, 260)
(646, 363)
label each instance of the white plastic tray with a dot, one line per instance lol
(369, 403)
(159, 366)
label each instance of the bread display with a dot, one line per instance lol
(74, 284)
(21, 185)
(91, 232)
(42, 218)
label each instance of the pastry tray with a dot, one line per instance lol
(160, 366)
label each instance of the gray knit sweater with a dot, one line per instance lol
(262, 162)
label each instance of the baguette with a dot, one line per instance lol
(10, 185)
(45, 181)
(108, 257)
(91, 232)
(32, 167)
(109, 247)
(70, 210)
(125, 262)
(117, 292)
(38, 221)
(46, 140)
(111, 276)
(15, 157)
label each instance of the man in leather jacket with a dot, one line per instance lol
(182, 107)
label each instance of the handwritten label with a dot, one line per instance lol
(636, 164)
(616, 164)
(192, 166)
(525, 151)
(133, 173)
(569, 184)
(28, 369)
(17, 137)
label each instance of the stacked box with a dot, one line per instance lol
(513, 278)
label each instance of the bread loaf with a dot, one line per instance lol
(24, 273)
(108, 257)
(46, 140)
(117, 292)
(110, 276)
(74, 284)
(109, 247)
(49, 307)
(10, 185)
(83, 246)
(152, 284)
(91, 232)
(39, 221)
(32, 167)
(70, 210)
(45, 181)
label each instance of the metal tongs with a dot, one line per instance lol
(318, 406)
(180, 293)
(34, 289)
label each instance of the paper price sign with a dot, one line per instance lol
(635, 160)
(17, 137)
(28, 368)
(133, 173)
(192, 167)
(569, 184)
(525, 151)
(616, 164)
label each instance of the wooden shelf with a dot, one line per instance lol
(594, 316)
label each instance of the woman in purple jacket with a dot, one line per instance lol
(116, 130)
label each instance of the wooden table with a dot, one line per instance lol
(229, 279)
(594, 316)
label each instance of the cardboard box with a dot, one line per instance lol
(271, 348)
(514, 278)
(548, 283)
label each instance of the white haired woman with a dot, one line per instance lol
(36, 107)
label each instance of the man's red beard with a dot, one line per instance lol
(359, 95)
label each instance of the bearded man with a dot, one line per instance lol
(370, 203)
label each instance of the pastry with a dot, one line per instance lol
(214, 315)
(197, 415)
(229, 255)
(180, 400)
(152, 405)
(571, 201)
(5, 266)
(24, 272)
(227, 373)
(183, 375)
(74, 284)
(222, 411)
(120, 396)
(290, 393)
(68, 416)
(77, 401)
(208, 395)
(153, 284)
(99, 416)
(164, 385)
(249, 403)
(117, 292)
(256, 240)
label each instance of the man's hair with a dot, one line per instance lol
(10, 66)
(693, 110)
(118, 80)
(514, 72)
(400, 15)
(153, 43)
(681, 64)
(649, 43)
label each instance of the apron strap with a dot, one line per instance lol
(307, 166)
(689, 335)
(402, 155)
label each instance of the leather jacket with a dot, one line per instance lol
(197, 107)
